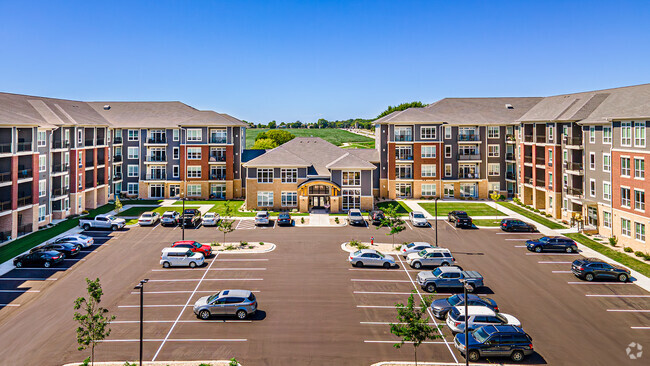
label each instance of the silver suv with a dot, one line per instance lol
(430, 257)
(240, 303)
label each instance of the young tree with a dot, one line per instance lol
(93, 322)
(495, 196)
(225, 225)
(118, 204)
(265, 144)
(392, 221)
(413, 324)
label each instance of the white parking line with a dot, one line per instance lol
(553, 262)
(561, 272)
(180, 292)
(213, 269)
(180, 321)
(154, 306)
(242, 260)
(552, 253)
(623, 296)
(517, 239)
(364, 280)
(382, 293)
(452, 226)
(641, 328)
(598, 283)
(628, 311)
(176, 340)
(26, 291)
(385, 323)
(209, 279)
(520, 246)
(376, 306)
(13, 305)
(409, 225)
(427, 342)
(26, 278)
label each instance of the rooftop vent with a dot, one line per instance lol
(107, 107)
(509, 106)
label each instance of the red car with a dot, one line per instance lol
(194, 246)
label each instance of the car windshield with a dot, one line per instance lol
(544, 239)
(436, 272)
(211, 298)
(111, 217)
(208, 216)
(147, 215)
(168, 214)
(284, 216)
(355, 213)
(188, 212)
(410, 245)
(357, 253)
(480, 335)
(422, 252)
(84, 237)
(261, 215)
(418, 216)
(196, 245)
(455, 300)
(461, 214)
(381, 255)
(189, 253)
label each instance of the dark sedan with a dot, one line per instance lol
(284, 219)
(460, 218)
(589, 269)
(441, 307)
(517, 225)
(39, 259)
(68, 249)
(557, 243)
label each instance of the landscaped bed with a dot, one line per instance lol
(622, 258)
(402, 208)
(136, 211)
(242, 247)
(335, 136)
(472, 208)
(533, 216)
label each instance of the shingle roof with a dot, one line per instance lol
(17, 109)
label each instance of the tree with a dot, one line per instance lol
(225, 225)
(261, 135)
(280, 137)
(495, 196)
(272, 125)
(265, 144)
(413, 324)
(401, 107)
(392, 221)
(118, 204)
(93, 323)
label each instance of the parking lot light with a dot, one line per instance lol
(466, 287)
(140, 286)
(436, 218)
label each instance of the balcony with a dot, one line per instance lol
(5, 148)
(528, 159)
(463, 156)
(217, 176)
(540, 139)
(577, 192)
(540, 160)
(465, 175)
(61, 144)
(5, 177)
(117, 158)
(470, 137)
(89, 142)
(403, 138)
(89, 183)
(510, 176)
(60, 191)
(573, 141)
(159, 158)
(159, 175)
(5, 206)
(576, 167)
(528, 180)
(510, 138)
(408, 157)
(24, 173)
(24, 229)
(117, 140)
(218, 140)
(117, 176)
(24, 201)
(60, 168)
(404, 176)
(157, 140)
(528, 138)
(24, 146)
(510, 156)
(217, 157)
(540, 182)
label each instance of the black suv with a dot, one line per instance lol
(591, 268)
(460, 218)
(495, 340)
(552, 243)
(377, 217)
(517, 225)
(191, 217)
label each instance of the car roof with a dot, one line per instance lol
(185, 242)
(449, 269)
(476, 310)
(148, 213)
(367, 251)
(434, 250)
(170, 212)
(354, 210)
(262, 212)
(460, 212)
(234, 293)
(503, 329)
(420, 243)
(417, 212)
(175, 250)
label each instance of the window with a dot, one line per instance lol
(42, 163)
(42, 188)
(639, 231)
(404, 171)
(289, 199)
(264, 199)
(193, 190)
(496, 188)
(194, 171)
(493, 132)
(133, 152)
(80, 137)
(351, 198)
(176, 171)
(66, 134)
(352, 178)
(81, 158)
(218, 190)
(592, 187)
(493, 151)
(428, 189)
(80, 181)
(264, 175)
(132, 189)
(625, 167)
(176, 153)
(607, 191)
(403, 134)
(565, 180)
(132, 170)
(639, 134)
(428, 132)
(639, 168)
(550, 180)
(607, 135)
(607, 219)
(66, 181)
(176, 135)
(494, 170)
(428, 152)
(194, 153)
(194, 134)
(639, 200)
(447, 170)
(607, 162)
(218, 136)
(626, 133)
(132, 135)
(550, 157)
(447, 132)
(550, 133)
(625, 227)
(448, 190)
(625, 197)
(592, 134)
(41, 213)
(403, 152)
(592, 161)
(428, 170)
(40, 138)
(447, 151)
(289, 175)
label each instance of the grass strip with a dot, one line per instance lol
(619, 257)
(533, 216)
(402, 208)
(472, 208)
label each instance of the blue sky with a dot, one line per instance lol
(304, 60)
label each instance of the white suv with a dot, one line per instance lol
(431, 257)
(181, 257)
(477, 316)
(262, 218)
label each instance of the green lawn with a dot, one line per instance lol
(360, 145)
(197, 202)
(472, 208)
(140, 202)
(333, 135)
(137, 211)
(487, 222)
(533, 216)
(622, 258)
(402, 208)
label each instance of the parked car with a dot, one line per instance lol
(262, 218)
(495, 340)
(102, 222)
(449, 277)
(558, 243)
(68, 249)
(589, 269)
(191, 217)
(194, 246)
(182, 257)
(285, 219)
(440, 307)
(517, 225)
(376, 217)
(371, 257)
(78, 239)
(211, 219)
(170, 218)
(355, 217)
(417, 218)
(477, 316)
(39, 259)
(240, 303)
(414, 247)
(148, 218)
(460, 218)
(430, 257)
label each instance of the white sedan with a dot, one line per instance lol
(417, 218)
(149, 218)
(211, 219)
(414, 247)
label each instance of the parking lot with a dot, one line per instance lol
(314, 308)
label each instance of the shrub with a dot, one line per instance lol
(243, 243)
(84, 212)
(261, 243)
(230, 247)
(233, 362)
(639, 253)
(205, 364)
(613, 241)
(628, 250)
(336, 219)
(302, 220)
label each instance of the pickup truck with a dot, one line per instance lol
(191, 217)
(102, 222)
(449, 277)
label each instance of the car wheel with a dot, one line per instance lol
(517, 356)
(359, 264)
(473, 355)
(456, 224)
(241, 314)
(431, 288)
(445, 264)
(538, 249)
(166, 264)
(622, 277)
(204, 314)
(417, 265)
(86, 227)
(387, 265)
(589, 277)
(47, 264)
(192, 264)
(569, 250)
(19, 264)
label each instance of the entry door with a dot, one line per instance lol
(156, 191)
(592, 216)
(174, 190)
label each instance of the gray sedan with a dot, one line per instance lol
(240, 303)
(371, 257)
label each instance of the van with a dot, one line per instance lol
(181, 257)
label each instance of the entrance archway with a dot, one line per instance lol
(319, 193)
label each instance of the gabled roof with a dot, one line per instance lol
(349, 161)
(18, 109)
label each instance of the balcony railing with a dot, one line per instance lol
(157, 140)
(217, 157)
(462, 175)
(24, 146)
(5, 206)
(403, 138)
(24, 201)
(404, 176)
(117, 140)
(117, 158)
(60, 191)
(88, 142)
(218, 140)
(157, 158)
(528, 158)
(61, 144)
(24, 229)
(60, 168)
(101, 161)
(24, 173)
(574, 191)
(540, 139)
(469, 156)
(4, 236)
(540, 182)
(404, 157)
(510, 137)
(5, 148)
(117, 176)
(510, 175)
(528, 180)
(90, 162)
(5, 177)
(217, 176)
(573, 141)
(540, 160)
(510, 156)
(156, 176)
(573, 166)
(471, 137)
(528, 138)
(89, 183)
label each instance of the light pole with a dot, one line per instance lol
(183, 217)
(436, 218)
(466, 287)
(140, 286)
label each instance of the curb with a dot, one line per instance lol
(256, 251)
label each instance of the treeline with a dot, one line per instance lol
(350, 123)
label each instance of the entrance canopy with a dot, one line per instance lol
(319, 187)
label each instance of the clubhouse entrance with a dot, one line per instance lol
(319, 194)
